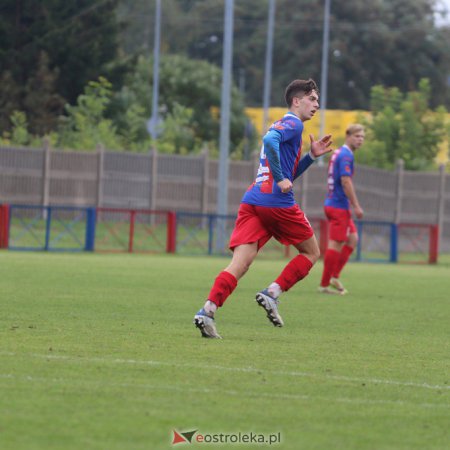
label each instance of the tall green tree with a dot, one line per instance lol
(79, 39)
(389, 42)
(41, 100)
(403, 127)
(189, 90)
(85, 125)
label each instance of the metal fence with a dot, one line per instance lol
(189, 183)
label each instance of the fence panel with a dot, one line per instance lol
(180, 182)
(417, 243)
(27, 227)
(53, 228)
(377, 242)
(376, 190)
(21, 178)
(189, 183)
(126, 180)
(139, 231)
(421, 196)
(73, 178)
(444, 244)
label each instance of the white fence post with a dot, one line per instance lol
(100, 172)
(399, 191)
(153, 178)
(46, 174)
(441, 203)
(205, 181)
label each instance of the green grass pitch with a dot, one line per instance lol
(99, 352)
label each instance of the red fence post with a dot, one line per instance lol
(1, 226)
(323, 239)
(171, 232)
(434, 244)
(131, 238)
(4, 226)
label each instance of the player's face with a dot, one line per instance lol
(355, 140)
(306, 106)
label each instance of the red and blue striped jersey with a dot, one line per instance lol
(264, 191)
(340, 165)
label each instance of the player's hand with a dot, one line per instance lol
(358, 212)
(322, 147)
(285, 185)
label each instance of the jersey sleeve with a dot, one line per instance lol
(345, 167)
(272, 150)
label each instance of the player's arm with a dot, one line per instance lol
(318, 148)
(304, 163)
(272, 141)
(349, 190)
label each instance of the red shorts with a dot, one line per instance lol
(259, 223)
(340, 223)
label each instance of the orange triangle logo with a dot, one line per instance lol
(177, 438)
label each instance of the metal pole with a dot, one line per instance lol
(156, 50)
(268, 68)
(324, 74)
(222, 186)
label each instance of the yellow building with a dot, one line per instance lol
(336, 122)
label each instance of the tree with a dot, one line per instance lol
(63, 43)
(189, 91)
(403, 126)
(43, 103)
(387, 42)
(85, 125)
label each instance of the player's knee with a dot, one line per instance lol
(353, 240)
(242, 268)
(315, 255)
(246, 265)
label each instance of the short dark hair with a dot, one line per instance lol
(299, 86)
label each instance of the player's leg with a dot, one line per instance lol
(344, 256)
(247, 237)
(297, 269)
(289, 226)
(338, 220)
(224, 284)
(330, 261)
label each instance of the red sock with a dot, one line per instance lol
(343, 258)
(330, 261)
(296, 270)
(223, 286)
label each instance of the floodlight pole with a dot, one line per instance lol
(324, 74)
(268, 68)
(156, 50)
(222, 182)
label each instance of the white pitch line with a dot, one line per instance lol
(240, 394)
(237, 369)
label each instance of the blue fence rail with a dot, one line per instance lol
(377, 241)
(51, 228)
(63, 228)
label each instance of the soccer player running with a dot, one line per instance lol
(342, 233)
(268, 209)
